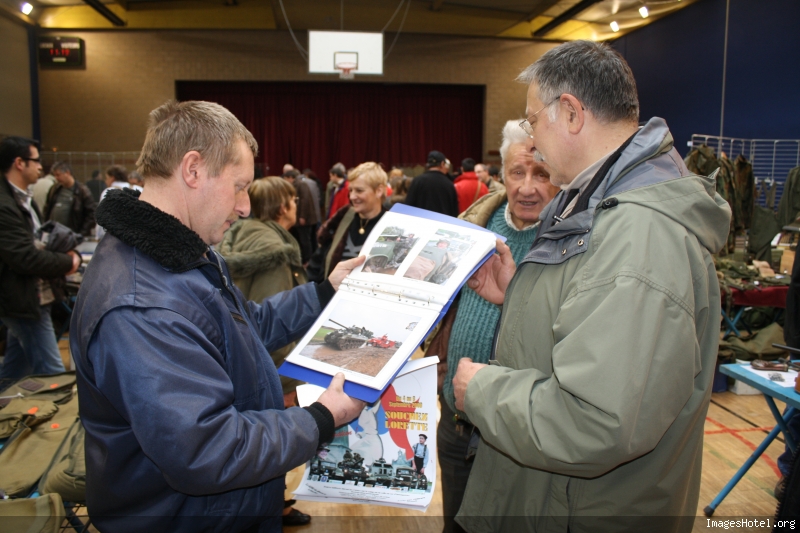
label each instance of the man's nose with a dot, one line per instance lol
(243, 205)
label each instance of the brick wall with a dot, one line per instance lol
(128, 73)
(15, 80)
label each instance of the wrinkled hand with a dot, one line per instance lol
(492, 279)
(76, 262)
(342, 407)
(343, 269)
(464, 374)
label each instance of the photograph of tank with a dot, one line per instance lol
(440, 257)
(351, 470)
(359, 338)
(389, 250)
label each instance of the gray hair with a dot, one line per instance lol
(60, 166)
(594, 73)
(176, 128)
(512, 134)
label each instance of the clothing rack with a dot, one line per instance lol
(772, 159)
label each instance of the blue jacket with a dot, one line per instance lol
(182, 405)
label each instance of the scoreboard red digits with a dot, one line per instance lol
(55, 51)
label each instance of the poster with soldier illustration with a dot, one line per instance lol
(387, 456)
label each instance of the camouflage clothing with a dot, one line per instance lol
(745, 189)
(735, 183)
(789, 206)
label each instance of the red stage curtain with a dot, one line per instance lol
(314, 125)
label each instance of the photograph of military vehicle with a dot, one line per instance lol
(389, 251)
(384, 342)
(439, 259)
(351, 468)
(347, 338)
(408, 478)
(381, 474)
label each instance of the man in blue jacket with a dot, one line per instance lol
(182, 405)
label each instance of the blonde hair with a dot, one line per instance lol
(372, 173)
(268, 195)
(176, 128)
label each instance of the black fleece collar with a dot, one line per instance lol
(154, 232)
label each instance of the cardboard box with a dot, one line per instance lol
(787, 260)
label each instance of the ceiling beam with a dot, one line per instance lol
(565, 16)
(107, 13)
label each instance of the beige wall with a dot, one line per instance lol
(129, 73)
(15, 80)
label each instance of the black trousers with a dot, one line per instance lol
(451, 451)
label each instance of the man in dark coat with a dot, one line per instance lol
(433, 190)
(182, 405)
(69, 202)
(24, 298)
(96, 186)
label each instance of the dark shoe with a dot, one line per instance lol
(296, 518)
(288, 503)
(780, 488)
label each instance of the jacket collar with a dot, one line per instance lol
(624, 171)
(154, 232)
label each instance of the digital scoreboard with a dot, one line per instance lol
(60, 52)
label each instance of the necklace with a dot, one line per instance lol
(362, 222)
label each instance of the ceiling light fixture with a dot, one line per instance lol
(615, 26)
(26, 8)
(643, 12)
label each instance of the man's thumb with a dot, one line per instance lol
(337, 383)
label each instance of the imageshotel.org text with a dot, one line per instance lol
(749, 522)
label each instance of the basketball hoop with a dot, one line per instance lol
(346, 69)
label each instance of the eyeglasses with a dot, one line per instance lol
(527, 126)
(34, 159)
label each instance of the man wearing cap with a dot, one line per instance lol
(421, 454)
(433, 190)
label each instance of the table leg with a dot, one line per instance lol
(729, 325)
(781, 420)
(709, 510)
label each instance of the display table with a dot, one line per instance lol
(770, 390)
(763, 297)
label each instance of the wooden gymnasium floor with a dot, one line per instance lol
(735, 425)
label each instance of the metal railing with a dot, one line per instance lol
(85, 163)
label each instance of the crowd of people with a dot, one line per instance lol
(575, 367)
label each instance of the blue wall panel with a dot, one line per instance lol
(677, 62)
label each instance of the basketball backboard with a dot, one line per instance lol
(332, 52)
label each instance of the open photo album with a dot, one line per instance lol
(416, 263)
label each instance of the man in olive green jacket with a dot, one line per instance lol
(591, 415)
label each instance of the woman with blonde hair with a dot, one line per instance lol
(344, 234)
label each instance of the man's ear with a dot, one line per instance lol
(574, 112)
(193, 169)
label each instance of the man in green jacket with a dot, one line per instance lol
(591, 413)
